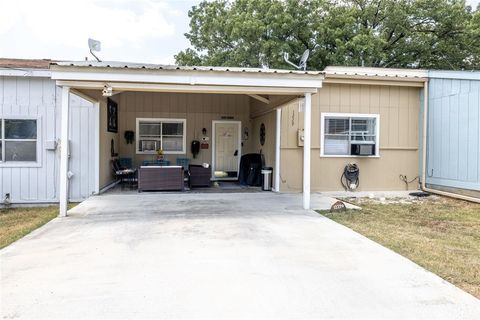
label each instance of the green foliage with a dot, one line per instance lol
(440, 34)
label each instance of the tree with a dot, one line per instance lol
(381, 33)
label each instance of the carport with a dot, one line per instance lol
(96, 81)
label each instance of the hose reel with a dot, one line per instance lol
(350, 178)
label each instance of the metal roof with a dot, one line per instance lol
(145, 66)
(376, 72)
(25, 63)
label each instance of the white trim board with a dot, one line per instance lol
(189, 77)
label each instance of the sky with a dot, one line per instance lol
(149, 31)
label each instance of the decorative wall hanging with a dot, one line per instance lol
(112, 116)
(129, 136)
(112, 149)
(262, 134)
(245, 133)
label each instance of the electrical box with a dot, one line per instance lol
(300, 137)
(363, 148)
(51, 145)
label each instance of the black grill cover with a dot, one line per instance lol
(251, 169)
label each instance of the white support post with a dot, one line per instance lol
(63, 196)
(307, 123)
(277, 148)
(97, 147)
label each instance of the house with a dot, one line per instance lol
(308, 124)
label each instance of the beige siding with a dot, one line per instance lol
(398, 108)
(198, 109)
(268, 149)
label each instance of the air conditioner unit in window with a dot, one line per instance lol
(364, 148)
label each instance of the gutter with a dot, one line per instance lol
(424, 155)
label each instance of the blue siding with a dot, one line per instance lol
(453, 143)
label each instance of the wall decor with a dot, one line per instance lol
(112, 149)
(112, 116)
(245, 133)
(129, 136)
(262, 134)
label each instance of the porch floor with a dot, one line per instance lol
(217, 187)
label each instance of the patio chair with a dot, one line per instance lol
(123, 174)
(184, 162)
(126, 163)
(199, 176)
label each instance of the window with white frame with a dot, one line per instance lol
(168, 135)
(347, 134)
(18, 140)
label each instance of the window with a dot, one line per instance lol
(344, 134)
(166, 134)
(18, 140)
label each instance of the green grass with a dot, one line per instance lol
(15, 223)
(442, 235)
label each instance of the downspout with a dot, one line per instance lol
(424, 155)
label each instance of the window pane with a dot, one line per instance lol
(172, 143)
(363, 129)
(173, 128)
(20, 150)
(1, 150)
(336, 145)
(336, 126)
(20, 129)
(150, 129)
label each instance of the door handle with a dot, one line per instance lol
(235, 153)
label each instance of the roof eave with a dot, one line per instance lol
(190, 77)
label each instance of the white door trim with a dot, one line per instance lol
(239, 123)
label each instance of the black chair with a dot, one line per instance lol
(125, 175)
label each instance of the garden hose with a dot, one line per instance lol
(350, 178)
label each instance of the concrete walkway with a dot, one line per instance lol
(214, 256)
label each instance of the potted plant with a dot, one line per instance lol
(159, 154)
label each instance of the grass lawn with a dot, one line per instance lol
(15, 223)
(442, 235)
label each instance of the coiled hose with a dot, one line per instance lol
(350, 176)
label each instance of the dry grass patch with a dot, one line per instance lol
(440, 234)
(15, 223)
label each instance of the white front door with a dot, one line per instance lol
(226, 149)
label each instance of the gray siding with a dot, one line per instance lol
(453, 149)
(39, 97)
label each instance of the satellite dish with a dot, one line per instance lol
(94, 45)
(303, 60)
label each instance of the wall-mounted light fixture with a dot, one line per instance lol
(107, 91)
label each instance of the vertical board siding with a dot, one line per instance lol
(453, 145)
(39, 97)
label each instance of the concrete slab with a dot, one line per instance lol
(214, 256)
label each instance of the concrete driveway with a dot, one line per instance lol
(214, 256)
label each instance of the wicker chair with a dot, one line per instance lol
(199, 176)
